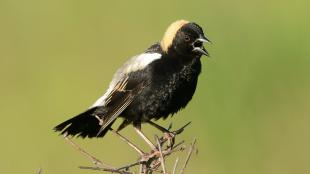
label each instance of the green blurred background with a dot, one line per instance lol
(250, 112)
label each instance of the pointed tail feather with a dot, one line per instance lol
(82, 125)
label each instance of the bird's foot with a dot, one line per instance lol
(169, 136)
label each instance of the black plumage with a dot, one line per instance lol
(152, 85)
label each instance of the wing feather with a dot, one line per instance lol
(119, 99)
(123, 89)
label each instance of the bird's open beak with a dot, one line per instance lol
(200, 48)
(204, 39)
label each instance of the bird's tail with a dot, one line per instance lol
(82, 125)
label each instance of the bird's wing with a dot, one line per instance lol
(119, 98)
(134, 64)
(124, 87)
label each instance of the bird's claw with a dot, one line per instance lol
(176, 132)
(170, 136)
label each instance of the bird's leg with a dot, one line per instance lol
(169, 135)
(136, 148)
(141, 134)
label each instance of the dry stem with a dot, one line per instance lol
(148, 162)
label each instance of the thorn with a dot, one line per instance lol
(170, 126)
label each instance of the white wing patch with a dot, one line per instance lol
(139, 62)
(134, 64)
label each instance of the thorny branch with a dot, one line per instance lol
(153, 161)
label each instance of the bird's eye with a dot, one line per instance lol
(187, 38)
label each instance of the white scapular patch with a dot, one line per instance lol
(140, 61)
(134, 64)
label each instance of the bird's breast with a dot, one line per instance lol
(170, 90)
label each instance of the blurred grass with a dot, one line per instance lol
(250, 112)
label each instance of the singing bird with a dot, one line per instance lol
(149, 86)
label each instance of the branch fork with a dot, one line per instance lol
(154, 161)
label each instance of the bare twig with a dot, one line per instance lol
(105, 169)
(121, 170)
(175, 165)
(188, 156)
(162, 160)
(131, 165)
(141, 169)
(92, 158)
(177, 145)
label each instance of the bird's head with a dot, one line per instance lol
(184, 38)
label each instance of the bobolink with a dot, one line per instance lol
(151, 85)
